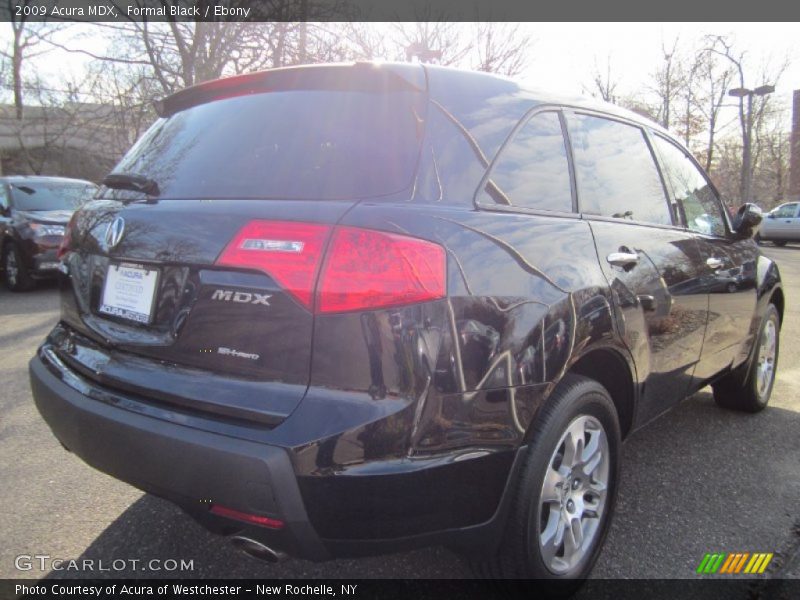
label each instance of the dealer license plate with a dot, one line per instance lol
(129, 292)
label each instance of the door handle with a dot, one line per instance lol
(622, 259)
(714, 262)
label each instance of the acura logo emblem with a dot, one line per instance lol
(114, 232)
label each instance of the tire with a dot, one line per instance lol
(779, 243)
(529, 550)
(17, 277)
(749, 387)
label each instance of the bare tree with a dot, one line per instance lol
(431, 41)
(668, 82)
(751, 118)
(712, 83)
(603, 84)
(28, 41)
(502, 48)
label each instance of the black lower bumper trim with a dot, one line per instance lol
(190, 467)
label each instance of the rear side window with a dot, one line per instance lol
(696, 199)
(532, 170)
(617, 176)
(296, 144)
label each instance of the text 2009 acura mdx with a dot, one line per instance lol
(347, 309)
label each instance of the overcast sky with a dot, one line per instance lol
(634, 49)
(565, 55)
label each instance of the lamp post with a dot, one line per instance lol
(746, 182)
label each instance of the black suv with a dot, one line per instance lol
(348, 309)
(33, 214)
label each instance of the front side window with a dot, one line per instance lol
(696, 199)
(787, 211)
(532, 171)
(617, 176)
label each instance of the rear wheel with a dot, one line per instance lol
(17, 277)
(749, 387)
(566, 491)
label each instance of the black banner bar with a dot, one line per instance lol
(396, 10)
(438, 589)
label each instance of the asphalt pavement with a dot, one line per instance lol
(698, 479)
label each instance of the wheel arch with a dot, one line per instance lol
(611, 369)
(776, 298)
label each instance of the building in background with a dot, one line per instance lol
(77, 140)
(794, 164)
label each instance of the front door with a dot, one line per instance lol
(727, 266)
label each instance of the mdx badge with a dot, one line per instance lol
(241, 297)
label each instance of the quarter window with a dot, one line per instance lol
(696, 199)
(532, 171)
(617, 176)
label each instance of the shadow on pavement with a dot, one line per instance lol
(697, 480)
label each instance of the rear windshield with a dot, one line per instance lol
(51, 196)
(299, 144)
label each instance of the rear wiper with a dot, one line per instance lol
(133, 182)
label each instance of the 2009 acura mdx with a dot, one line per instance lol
(346, 309)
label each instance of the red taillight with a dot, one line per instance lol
(363, 269)
(289, 252)
(224, 511)
(63, 248)
(367, 269)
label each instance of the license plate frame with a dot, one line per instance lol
(129, 292)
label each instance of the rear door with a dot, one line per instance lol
(784, 222)
(651, 265)
(728, 265)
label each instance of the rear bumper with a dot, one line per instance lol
(394, 504)
(192, 468)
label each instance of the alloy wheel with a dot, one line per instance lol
(767, 349)
(572, 501)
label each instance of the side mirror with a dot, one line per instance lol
(747, 220)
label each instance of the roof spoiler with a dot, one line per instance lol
(360, 76)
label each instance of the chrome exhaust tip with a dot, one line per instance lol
(257, 550)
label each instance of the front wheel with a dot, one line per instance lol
(749, 387)
(779, 243)
(566, 491)
(17, 278)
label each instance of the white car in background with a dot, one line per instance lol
(781, 225)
